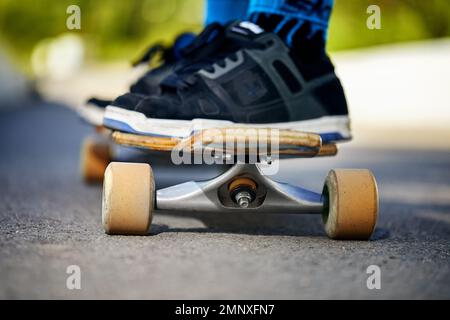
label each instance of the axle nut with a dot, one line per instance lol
(242, 191)
(243, 199)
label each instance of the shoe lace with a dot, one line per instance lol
(167, 54)
(209, 36)
(186, 75)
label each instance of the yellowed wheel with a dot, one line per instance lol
(94, 158)
(350, 204)
(128, 198)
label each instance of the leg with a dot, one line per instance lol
(302, 24)
(224, 11)
(276, 74)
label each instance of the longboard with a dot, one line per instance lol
(348, 202)
(235, 140)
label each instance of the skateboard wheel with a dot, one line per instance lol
(95, 157)
(350, 204)
(128, 198)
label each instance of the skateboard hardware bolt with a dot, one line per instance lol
(243, 199)
(242, 191)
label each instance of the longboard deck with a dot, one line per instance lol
(235, 141)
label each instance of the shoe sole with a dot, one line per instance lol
(330, 128)
(92, 114)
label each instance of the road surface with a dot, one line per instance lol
(49, 220)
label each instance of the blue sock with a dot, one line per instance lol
(223, 11)
(297, 22)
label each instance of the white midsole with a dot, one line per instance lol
(139, 123)
(92, 114)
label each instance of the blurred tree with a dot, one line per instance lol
(122, 29)
(402, 20)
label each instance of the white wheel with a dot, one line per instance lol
(350, 204)
(128, 198)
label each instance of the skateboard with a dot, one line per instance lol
(348, 202)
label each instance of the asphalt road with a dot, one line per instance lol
(49, 220)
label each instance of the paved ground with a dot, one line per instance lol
(49, 219)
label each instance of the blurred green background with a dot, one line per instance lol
(113, 29)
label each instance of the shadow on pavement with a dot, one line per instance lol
(301, 225)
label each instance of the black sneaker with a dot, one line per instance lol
(148, 84)
(254, 80)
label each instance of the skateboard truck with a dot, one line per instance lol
(242, 188)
